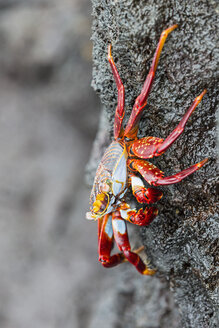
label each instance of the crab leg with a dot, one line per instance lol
(155, 177)
(105, 243)
(162, 147)
(119, 114)
(122, 241)
(141, 101)
(149, 147)
(179, 176)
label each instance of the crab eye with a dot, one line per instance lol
(104, 187)
(101, 203)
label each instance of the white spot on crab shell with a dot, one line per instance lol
(119, 226)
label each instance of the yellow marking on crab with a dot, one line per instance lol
(100, 197)
(120, 182)
(96, 208)
(100, 200)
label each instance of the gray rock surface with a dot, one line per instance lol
(183, 241)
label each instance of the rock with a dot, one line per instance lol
(182, 242)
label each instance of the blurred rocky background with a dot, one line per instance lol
(48, 119)
(49, 274)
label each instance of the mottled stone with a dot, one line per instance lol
(183, 241)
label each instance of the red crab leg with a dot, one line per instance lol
(156, 177)
(119, 114)
(162, 147)
(142, 194)
(141, 101)
(149, 147)
(105, 243)
(122, 241)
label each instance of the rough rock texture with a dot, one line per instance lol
(183, 241)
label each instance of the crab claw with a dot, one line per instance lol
(149, 195)
(144, 218)
(89, 216)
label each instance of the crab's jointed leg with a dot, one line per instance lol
(155, 177)
(122, 241)
(119, 114)
(141, 101)
(149, 147)
(162, 147)
(105, 243)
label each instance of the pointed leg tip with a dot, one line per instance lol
(138, 250)
(171, 28)
(199, 98)
(203, 93)
(165, 33)
(204, 161)
(200, 164)
(109, 50)
(174, 26)
(149, 272)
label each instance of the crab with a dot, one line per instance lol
(125, 165)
